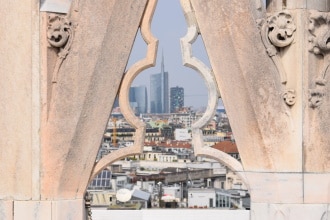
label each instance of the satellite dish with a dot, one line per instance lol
(123, 195)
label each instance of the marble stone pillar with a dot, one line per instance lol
(60, 74)
(272, 72)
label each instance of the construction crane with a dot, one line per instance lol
(114, 131)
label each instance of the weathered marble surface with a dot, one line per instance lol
(250, 86)
(17, 70)
(76, 112)
(284, 146)
(321, 5)
(50, 132)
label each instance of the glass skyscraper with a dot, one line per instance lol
(159, 89)
(138, 99)
(177, 98)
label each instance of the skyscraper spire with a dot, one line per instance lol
(159, 91)
(162, 65)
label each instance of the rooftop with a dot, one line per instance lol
(165, 214)
(228, 147)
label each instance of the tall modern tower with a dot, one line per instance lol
(177, 98)
(159, 97)
(138, 99)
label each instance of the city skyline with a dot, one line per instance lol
(168, 30)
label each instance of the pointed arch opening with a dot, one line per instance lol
(205, 138)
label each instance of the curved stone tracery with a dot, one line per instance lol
(191, 61)
(148, 61)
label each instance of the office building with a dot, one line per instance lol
(138, 99)
(159, 89)
(177, 98)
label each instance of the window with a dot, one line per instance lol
(211, 203)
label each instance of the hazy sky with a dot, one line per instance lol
(169, 26)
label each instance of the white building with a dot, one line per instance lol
(201, 198)
(214, 198)
(173, 191)
(182, 134)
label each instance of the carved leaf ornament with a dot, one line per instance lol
(319, 43)
(319, 29)
(281, 29)
(58, 30)
(278, 31)
(59, 35)
(289, 97)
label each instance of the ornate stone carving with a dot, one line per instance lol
(319, 43)
(60, 35)
(316, 94)
(278, 31)
(289, 97)
(281, 29)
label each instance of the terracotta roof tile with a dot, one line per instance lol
(228, 147)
